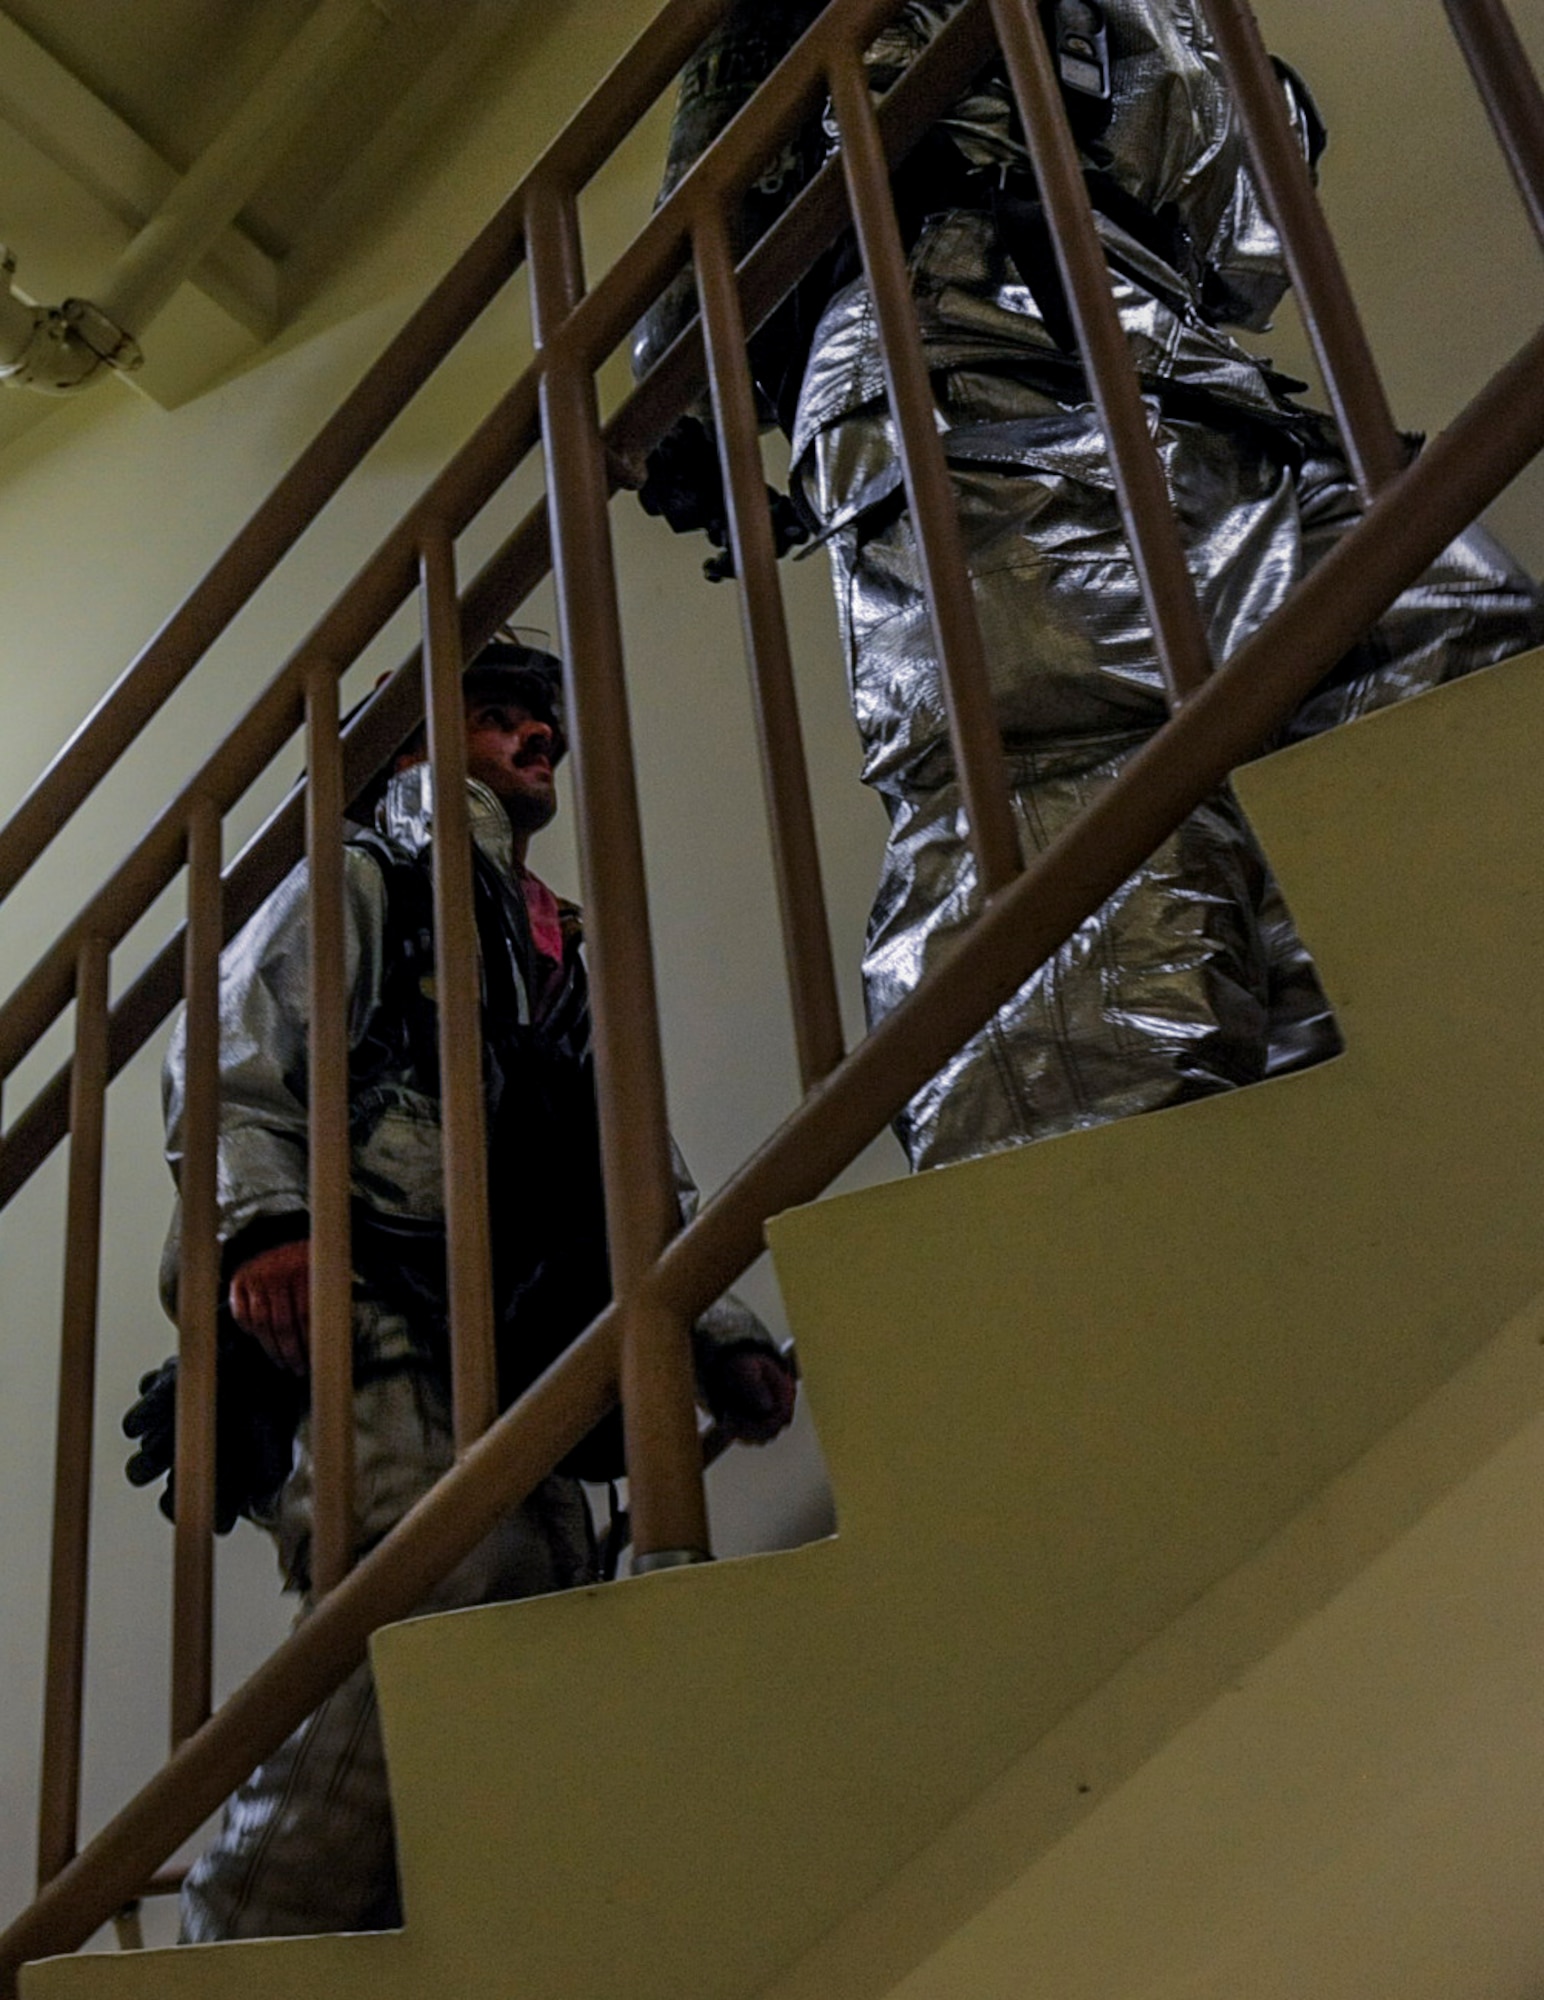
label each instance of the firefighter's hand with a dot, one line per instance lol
(152, 1422)
(682, 482)
(789, 529)
(752, 1393)
(684, 485)
(271, 1300)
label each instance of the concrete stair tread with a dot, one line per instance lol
(1065, 1393)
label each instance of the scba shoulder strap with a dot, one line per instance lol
(403, 1032)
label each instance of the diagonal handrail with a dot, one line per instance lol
(384, 581)
(360, 421)
(459, 492)
(1224, 724)
(1022, 923)
(600, 324)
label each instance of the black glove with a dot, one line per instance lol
(788, 529)
(153, 1420)
(682, 483)
(684, 486)
(257, 1407)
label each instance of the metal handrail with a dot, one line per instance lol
(474, 281)
(1238, 710)
(594, 327)
(1351, 376)
(194, 816)
(1027, 916)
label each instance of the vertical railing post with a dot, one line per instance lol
(1351, 377)
(64, 1688)
(1152, 530)
(331, 1289)
(474, 1378)
(1509, 89)
(198, 1287)
(785, 777)
(978, 751)
(664, 1457)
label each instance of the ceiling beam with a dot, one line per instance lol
(72, 127)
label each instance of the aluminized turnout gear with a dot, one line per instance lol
(305, 1845)
(263, 1173)
(1192, 978)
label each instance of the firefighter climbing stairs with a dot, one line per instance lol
(1079, 1402)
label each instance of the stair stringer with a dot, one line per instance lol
(1064, 1392)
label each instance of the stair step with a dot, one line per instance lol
(1064, 1393)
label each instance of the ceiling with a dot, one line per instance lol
(103, 109)
(174, 70)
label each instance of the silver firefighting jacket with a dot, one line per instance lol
(1192, 978)
(263, 1185)
(1173, 147)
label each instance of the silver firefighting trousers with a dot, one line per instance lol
(1191, 979)
(306, 1845)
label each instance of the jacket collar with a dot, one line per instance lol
(406, 815)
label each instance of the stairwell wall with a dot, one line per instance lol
(112, 508)
(109, 512)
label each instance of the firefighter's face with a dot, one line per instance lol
(511, 751)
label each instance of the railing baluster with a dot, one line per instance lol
(1510, 90)
(198, 1288)
(465, 486)
(64, 1688)
(332, 1332)
(664, 1457)
(1179, 633)
(1462, 473)
(376, 593)
(978, 753)
(474, 1384)
(785, 776)
(1351, 376)
(619, 101)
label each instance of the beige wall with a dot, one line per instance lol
(112, 508)
(1445, 269)
(109, 512)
